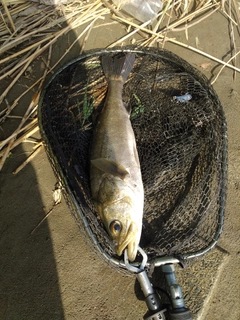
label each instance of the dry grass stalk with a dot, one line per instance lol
(86, 30)
(32, 155)
(173, 26)
(25, 136)
(50, 39)
(30, 126)
(5, 153)
(42, 79)
(43, 219)
(167, 26)
(8, 144)
(161, 37)
(232, 37)
(5, 113)
(128, 35)
(11, 139)
(221, 62)
(220, 71)
(8, 15)
(13, 67)
(37, 31)
(37, 145)
(17, 77)
(119, 14)
(4, 24)
(72, 19)
(33, 125)
(13, 2)
(13, 143)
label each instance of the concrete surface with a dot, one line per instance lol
(50, 273)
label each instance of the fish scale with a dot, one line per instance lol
(115, 174)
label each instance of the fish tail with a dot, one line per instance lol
(118, 68)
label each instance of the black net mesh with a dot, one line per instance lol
(181, 146)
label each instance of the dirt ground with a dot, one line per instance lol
(50, 272)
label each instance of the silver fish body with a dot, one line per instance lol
(116, 181)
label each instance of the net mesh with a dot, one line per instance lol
(181, 144)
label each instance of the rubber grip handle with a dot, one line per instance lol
(185, 314)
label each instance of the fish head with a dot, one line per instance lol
(124, 226)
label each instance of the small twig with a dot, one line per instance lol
(167, 26)
(224, 67)
(26, 116)
(25, 136)
(70, 47)
(34, 45)
(46, 71)
(87, 35)
(181, 44)
(119, 14)
(12, 144)
(226, 64)
(236, 12)
(5, 24)
(32, 155)
(8, 15)
(188, 17)
(236, 7)
(47, 63)
(232, 37)
(13, 67)
(17, 77)
(33, 142)
(43, 219)
(35, 31)
(27, 127)
(8, 110)
(127, 35)
(165, 9)
(6, 154)
(14, 117)
(171, 28)
(38, 145)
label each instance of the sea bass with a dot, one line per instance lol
(116, 181)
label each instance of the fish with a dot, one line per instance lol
(115, 172)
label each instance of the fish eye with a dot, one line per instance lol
(115, 227)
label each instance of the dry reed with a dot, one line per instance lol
(27, 29)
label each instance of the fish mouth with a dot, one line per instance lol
(130, 242)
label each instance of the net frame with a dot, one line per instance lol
(80, 205)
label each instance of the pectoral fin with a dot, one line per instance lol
(128, 107)
(110, 167)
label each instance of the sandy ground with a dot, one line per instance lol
(50, 272)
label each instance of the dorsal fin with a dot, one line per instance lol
(111, 167)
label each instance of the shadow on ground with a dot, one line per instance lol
(29, 283)
(29, 279)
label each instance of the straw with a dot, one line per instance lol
(220, 71)
(8, 15)
(161, 37)
(32, 155)
(12, 141)
(42, 220)
(28, 29)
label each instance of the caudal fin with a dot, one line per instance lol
(118, 68)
